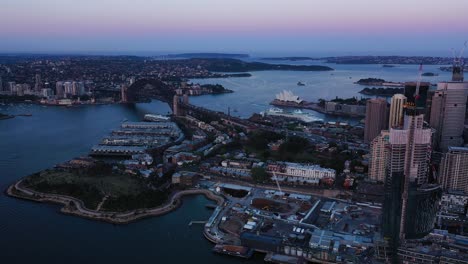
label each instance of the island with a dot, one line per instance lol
(379, 82)
(4, 116)
(207, 55)
(215, 89)
(289, 58)
(371, 81)
(386, 92)
(234, 65)
(389, 60)
(429, 74)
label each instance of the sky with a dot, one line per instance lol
(283, 27)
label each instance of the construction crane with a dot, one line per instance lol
(458, 64)
(277, 183)
(418, 84)
(459, 57)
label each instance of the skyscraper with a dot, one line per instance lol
(378, 152)
(376, 118)
(397, 104)
(407, 168)
(453, 171)
(448, 114)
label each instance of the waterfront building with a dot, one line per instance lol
(378, 152)
(376, 118)
(47, 92)
(448, 114)
(78, 88)
(12, 87)
(397, 104)
(288, 96)
(21, 88)
(68, 88)
(59, 90)
(453, 170)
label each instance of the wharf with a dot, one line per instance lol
(232, 250)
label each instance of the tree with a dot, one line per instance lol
(259, 174)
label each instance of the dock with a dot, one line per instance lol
(211, 206)
(197, 222)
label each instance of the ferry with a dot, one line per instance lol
(155, 118)
(296, 114)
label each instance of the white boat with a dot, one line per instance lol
(296, 114)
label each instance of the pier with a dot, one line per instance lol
(197, 222)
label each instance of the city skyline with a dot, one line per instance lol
(301, 27)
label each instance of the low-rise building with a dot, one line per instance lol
(296, 172)
(184, 178)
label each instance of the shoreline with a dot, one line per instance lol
(174, 202)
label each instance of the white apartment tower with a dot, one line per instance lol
(453, 172)
(397, 104)
(379, 154)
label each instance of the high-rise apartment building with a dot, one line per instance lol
(453, 170)
(376, 118)
(407, 168)
(59, 90)
(378, 153)
(397, 104)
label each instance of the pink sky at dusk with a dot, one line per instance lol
(126, 20)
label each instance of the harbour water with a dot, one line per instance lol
(31, 232)
(39, 233)
(253, 94)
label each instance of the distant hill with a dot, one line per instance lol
(289, 58)
(208, 55)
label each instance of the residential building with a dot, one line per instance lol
(303, 173)
(378, 153)
(453, 170)
(406, 188)
(397, 104)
